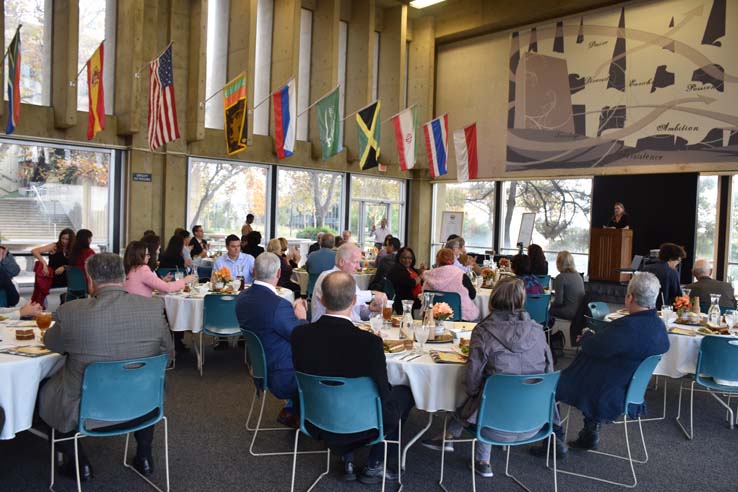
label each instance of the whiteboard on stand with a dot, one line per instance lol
(527, 223)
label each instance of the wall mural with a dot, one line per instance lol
(642, 84)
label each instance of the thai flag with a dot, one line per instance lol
(436, 143)
(285, 118)
(465, 144)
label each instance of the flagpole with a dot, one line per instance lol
(6, 49)
(272, 93)
(318, 100)
(360, 109)
(385, 121)
(138, 74)
(85, 65)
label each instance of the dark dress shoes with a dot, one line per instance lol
(85, 471)
(373, 474)
(144, 466)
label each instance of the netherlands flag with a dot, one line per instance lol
(436, 143)
(285, 117)
(465, 145)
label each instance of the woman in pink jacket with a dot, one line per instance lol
(448, 278)
(140, 280)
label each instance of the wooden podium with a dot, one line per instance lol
(610, 249)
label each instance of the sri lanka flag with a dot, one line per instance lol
(14, 95)
(96, 93)
(436, 144)
(465, 144)
(285, 118)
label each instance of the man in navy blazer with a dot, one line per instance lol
(261, 310)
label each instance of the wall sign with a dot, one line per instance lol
(142, 177)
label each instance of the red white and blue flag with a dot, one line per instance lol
(14, 69)
(405, 122)
(162, 119)
(465, 145)
(436, 144)
(285, 118)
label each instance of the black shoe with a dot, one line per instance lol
(562, 450)
(85, 471)
(589, 437)
(144, 466)
(373, 474)
(349, 472)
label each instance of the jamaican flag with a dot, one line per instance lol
(234, 111)
(367, 122)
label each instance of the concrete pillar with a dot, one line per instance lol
(359, 67)
(392, 60)
(419, 228)
(285, 45)
(242, 49)
(65, 35)
(128, 61)
(421, 76)
(195, 76)
(324, 60)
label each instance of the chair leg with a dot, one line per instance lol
(294, 460)
(690, 433)
(76, 462)
(663, 409)
(474, 463)
(443, 453)
(53, 457)
(327, 469)
(251, 409)
(166, 458)
(200, 356)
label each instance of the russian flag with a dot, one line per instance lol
(436, 143)
(465, 144)
(285, 118)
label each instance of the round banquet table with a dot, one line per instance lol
(482, 301)
(301, 277)
(19, 380)
(185, 311)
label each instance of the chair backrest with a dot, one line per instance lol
(453, 299)
(545, 280)
(537, 307)
(517, 403)
(257, 358)
(639, 382)
(3, 299)
(598, 309)
(163, 272)
(339, 405)
(312, 278)
(121, 391)
(596, 324)
(718, 358)
(204, 272)
(389, 289)
(76, 279)
(219, 312)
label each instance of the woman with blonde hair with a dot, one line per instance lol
(569, 287)
(446, 277)
(277, 247)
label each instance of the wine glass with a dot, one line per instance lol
(731, 318)
(422, 332)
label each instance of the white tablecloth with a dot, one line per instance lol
(185, 312)
(19, 380)
(435, 386)
(301, 277)
(482, 301)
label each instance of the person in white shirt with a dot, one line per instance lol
(348, 260)
(240, 264)
(379, 233)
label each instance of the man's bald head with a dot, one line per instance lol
(702, 268)
(339, 291)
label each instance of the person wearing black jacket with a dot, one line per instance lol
(386, 264)
(333, 346)
(406, 279)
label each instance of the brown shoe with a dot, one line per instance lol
(289, 419)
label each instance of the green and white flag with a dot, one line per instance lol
(329, 121)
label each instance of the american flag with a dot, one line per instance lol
(162, 110)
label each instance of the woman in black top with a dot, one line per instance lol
(620, 219)
(538, 263)
(172, 256)
(406, 279)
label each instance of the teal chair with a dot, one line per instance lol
(453, 299)
(717, 361)
(635, 395)
(204, 272)
(118, 393)
(515, 404)
(163, 272)
(598, 309)
(389, 289)
(76, 283)
(545, 280)
(3, 299)
(218, 320)
(537, 306)
(341, 406)
(596, 325)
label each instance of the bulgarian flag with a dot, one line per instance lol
(96, 93)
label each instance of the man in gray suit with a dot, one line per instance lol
(706, 285)
(110, 325)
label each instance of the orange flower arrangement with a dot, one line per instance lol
(681, 304)
(442, 311)
(222, 274)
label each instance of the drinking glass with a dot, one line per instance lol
(686, 291)
(421, 335)
(387, 312)
(731, 319)
(178, 275)
(376, 321)
(667, 314)
(43, 320)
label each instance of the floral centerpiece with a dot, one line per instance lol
(504, 263)
(681, 306)
(488, 277)
(441, 313)
(221, 277)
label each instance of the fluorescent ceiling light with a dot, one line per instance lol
(421, 4)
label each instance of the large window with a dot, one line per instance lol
(221, 193)
(96, 23)
(45, 188)
(35, 16)
(308, 202)
(562, 220)
(374, 199)
(216, 61)
(707, 210)
(262, 74)
(477, 201)
(733, 235)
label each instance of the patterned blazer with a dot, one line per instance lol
(112, 325)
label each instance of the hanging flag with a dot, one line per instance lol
(162, 119)
(95, 93)
(14, 95)
(367, 123)
(405, 122)
(465, 144)
(329, 124)
(234, 114)
(285, 116)
(436, 144)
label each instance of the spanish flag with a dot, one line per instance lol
(96, 114)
